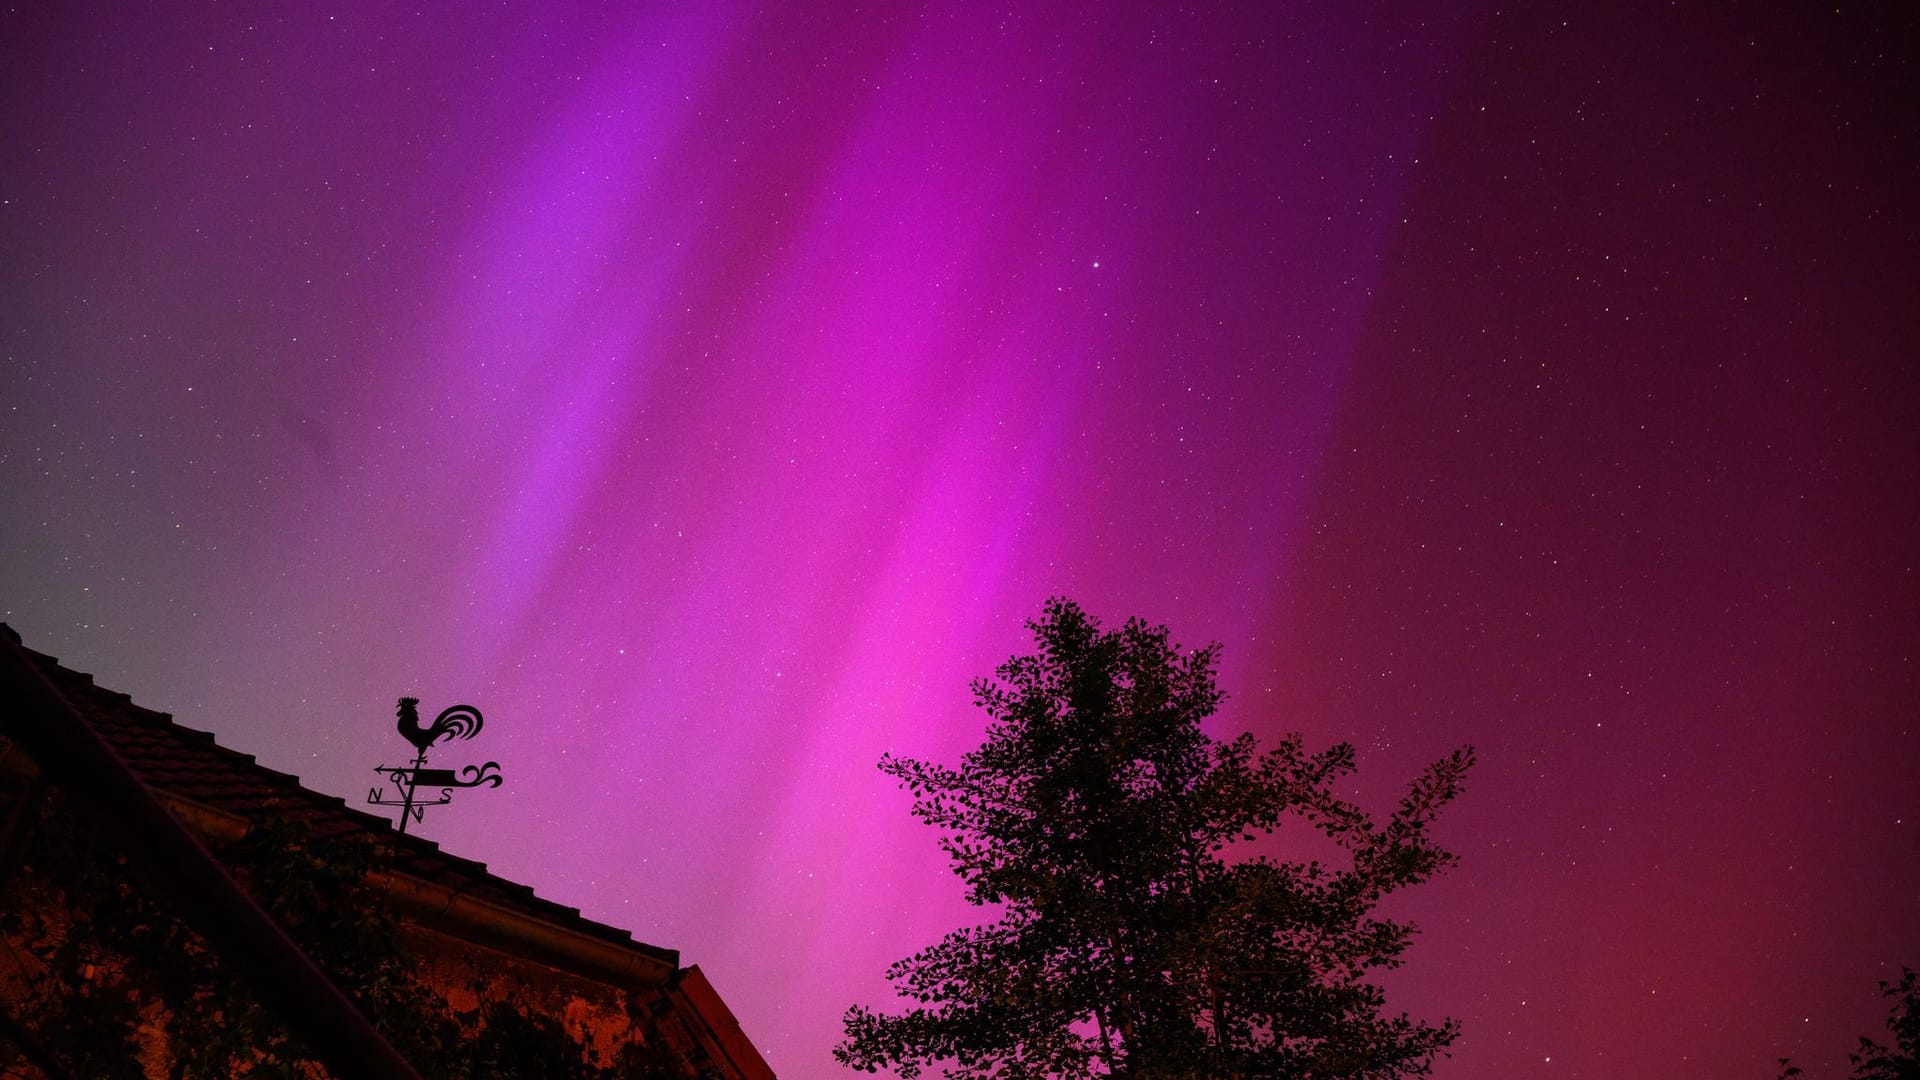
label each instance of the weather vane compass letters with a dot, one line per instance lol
(454, 722)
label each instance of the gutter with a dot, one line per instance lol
(482, 922)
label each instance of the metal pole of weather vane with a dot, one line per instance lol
(454, 722)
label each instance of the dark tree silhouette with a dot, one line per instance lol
(1901, 1061)
(1097, 819)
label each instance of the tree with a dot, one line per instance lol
(1098, 819)
(1901, 1061)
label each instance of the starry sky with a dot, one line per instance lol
(708, 391)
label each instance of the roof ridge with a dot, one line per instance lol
(234, 781)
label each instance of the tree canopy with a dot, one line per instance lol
(1099, 820)
(1901, 1061)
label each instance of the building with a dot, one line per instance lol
(184, 804)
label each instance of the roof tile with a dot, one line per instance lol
(187, 763)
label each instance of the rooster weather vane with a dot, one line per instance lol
(454, 722)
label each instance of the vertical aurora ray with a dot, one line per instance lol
(547, 346)
(754, 380)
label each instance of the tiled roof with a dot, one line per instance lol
(179, 761)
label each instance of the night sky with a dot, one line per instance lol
(708, 393)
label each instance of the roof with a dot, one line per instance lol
(206, 784)
(165, 782)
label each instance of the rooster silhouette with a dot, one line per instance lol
(454, 722)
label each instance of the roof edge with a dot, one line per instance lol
(469, 918)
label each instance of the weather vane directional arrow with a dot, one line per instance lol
(454, 722)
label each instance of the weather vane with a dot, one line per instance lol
(454, 722)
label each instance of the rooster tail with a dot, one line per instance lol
(456, 722)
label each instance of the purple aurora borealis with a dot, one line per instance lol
(707, 392)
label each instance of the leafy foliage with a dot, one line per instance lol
(1901, 1061)
(117, 974)
(1097, 817)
